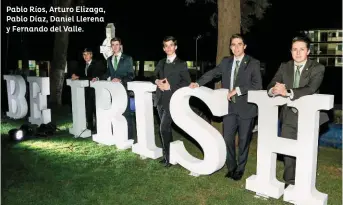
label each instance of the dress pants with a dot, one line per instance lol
(233, 123)
(90, 108)
(289, 130)
(165, 130)
(129, 118)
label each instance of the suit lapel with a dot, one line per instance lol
(121, 61)
(90, 67)
(110, 65)
(162, 75)
(305, 72)
(169, 72)
(290, 75)
(229, 70)
(242, 66)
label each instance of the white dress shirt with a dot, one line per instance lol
(238, 90)
(291, 95)
(87, 66)
(171, 58)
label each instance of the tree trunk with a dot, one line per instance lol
(59, 56)
(229, 19)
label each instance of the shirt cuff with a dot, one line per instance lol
(291, 96)
(156, 81)
(270, 93)
(238, 91)
(197, 84)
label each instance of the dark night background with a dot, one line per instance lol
(142, 25)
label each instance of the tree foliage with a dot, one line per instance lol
(250, 9)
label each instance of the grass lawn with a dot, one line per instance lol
(65, 170)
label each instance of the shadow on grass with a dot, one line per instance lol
(66, 170)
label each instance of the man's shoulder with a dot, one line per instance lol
(252, 59)
(316, 65)
(109, 58)
(97, 61)
(289, 63)
(181, 64)
(227, 58)
(162, 60)
(180, 61)
(123, 55)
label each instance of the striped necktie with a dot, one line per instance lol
(233, 98)
(86, 69)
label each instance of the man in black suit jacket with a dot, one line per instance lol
(240, 74)
(90, 70)
(170, 74)
(120, 69)
(294, 79)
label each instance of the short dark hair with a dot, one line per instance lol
(87, 50)
(304, 39)
(116, 39)
(169, 38)
(237, 35)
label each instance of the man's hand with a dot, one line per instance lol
(116, 80)
(194, 85)
(279, 89)
(74, 77)
(164, 85)
(94, 79)
(231, 93)
(158, 82)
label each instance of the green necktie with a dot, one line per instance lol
(297, 77)
(115, 63)
(233, 98)
(87, 65)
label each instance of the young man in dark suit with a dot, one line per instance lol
(296, 78)
(240, 73)
(170, 74)
(120, 69)
(90, 70)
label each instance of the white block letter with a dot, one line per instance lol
(304, 148)
(145, 145)
(39, 89)
(79, 128)
(16, 90)
(111, 124)
(211, 141)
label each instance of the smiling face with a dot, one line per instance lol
(300, 51)
(169, 47)
(87, 56)
(237, 47)
(115, 45)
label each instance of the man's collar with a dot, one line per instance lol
(118, 54)
(239, 58)
(171, 58)
(89, 62)
(302, 63)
